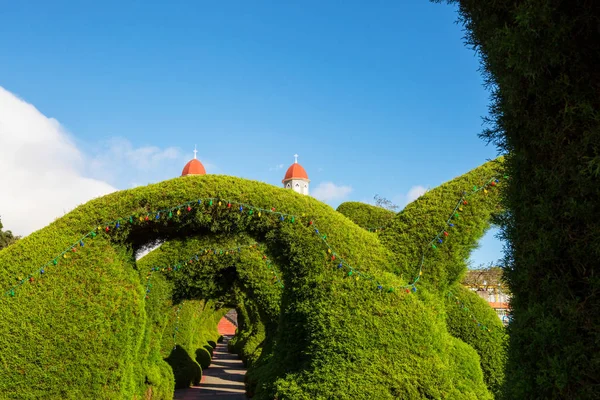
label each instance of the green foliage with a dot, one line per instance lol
(160, 381)
(203, 357)
(185, 369)
(411, 231)
(366, 215)
(325, 334)
(6, 237)
(75, 325)
(541, 60)
(489, 345)
(251, 334)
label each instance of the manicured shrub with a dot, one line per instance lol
(160, 381)
(309, 328)
(186, 370)
(412, 233)
(203, 357)
(462, 306)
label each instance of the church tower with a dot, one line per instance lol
(194, 167)
(296, 178)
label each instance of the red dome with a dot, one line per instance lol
(194, 167)
(295, 171)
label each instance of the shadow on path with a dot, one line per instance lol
(224, 379)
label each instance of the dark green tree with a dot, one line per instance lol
(540, 59)
(6, 237)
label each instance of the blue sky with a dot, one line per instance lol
(376, 99)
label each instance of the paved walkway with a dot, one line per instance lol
(224, 379)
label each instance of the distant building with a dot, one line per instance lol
(193, 167)
(296, 178)
(488, 285)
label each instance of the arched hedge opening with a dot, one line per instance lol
(346, 321)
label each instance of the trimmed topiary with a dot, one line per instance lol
(490, 344)
(186, 370)
(203, 357)
(309, 327)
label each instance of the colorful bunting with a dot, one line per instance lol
(282, 216)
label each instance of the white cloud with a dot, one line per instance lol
(40, 166)
(44, 175)
(414, 193)
(329, 191)
(116, 160)
(402, 200)
(277, 167)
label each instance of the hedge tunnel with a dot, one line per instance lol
(327, 309)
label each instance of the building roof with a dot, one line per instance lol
(498, 305)
(295, 171)
(194, 167)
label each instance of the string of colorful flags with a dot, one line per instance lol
(433, 244)
(258, 211)
(208, 252)
(168, 213)
(454, 215)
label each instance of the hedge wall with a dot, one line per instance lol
(541, 60)
(330, 332)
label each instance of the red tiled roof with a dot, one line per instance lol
(496, 304)
(295, 171)
(194, 167)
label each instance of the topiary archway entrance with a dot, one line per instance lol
(80, 320)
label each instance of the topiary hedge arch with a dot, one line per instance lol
(341, 319)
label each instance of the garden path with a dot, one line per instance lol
(224, 379)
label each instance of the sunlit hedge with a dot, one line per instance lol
(365, 215)
(311, 328)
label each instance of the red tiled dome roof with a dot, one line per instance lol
(194, 167)
(295, 171)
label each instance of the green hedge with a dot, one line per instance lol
(365, 215)
(191, 325)
(251, 334)
(252, 278)
(411, 230)
(327, 333)
(461, 306)
(541, 60)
